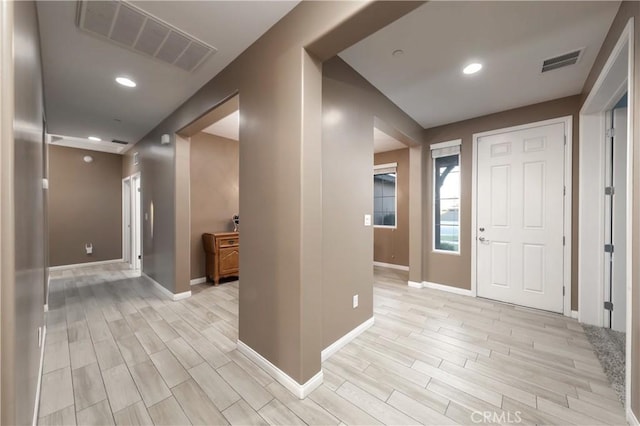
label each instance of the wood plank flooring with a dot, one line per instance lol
(118, 352)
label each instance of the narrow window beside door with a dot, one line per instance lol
(446, 196)
(384, 195)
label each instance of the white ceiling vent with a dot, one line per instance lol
(563, 60)
(135, 29)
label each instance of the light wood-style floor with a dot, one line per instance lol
(119, 352)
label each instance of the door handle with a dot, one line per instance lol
(483, 240)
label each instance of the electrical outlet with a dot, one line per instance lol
(355, 301)
(88, 248)
(367, 220)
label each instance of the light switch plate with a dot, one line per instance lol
(355, 301)
(367, 220)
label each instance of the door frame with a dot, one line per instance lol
(567, 222)
(606, 91)
(135, 230)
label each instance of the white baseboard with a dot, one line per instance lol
(341, 342)
(83, 265)
(631, 418)
(447, 288)
(391, 265)
(36, 408)
(300, 391)
(574, 314)
(173, 296)
(197, 281)
(414, 284)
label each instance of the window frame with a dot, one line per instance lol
(380, 169)
(454, 146)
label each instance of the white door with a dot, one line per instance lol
(616, 222)
(520, 215)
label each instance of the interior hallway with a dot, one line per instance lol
(117, 351)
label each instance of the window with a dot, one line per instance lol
(384, 195)
(446, 196)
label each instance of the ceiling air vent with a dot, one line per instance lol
(126, 25)
(120, 142)
(562, 60)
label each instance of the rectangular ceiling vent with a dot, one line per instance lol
(560, 61)
(135, 29)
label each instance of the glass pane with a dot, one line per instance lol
(384, 199)
(447, 198)
(389, 204)
(377, 186)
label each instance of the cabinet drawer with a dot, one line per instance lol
(229, 242)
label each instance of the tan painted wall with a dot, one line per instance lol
(214, 191)
(628, 9)
(455, 270)
(347, 156)
(392, 245)
(23, 232)
(85, 206)
(279, 162)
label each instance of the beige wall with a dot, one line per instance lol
(85, 206)
(279, 162)
(214, 191)
(455, 270)
(22, 213)
(628, 9)
(347, 157)
(392, 245)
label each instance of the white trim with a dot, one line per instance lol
(568, 183)
(300, 391)
(385, 166)
(84, 265)
(36, 408)
(197, 281)
(173, 296)
(391, 266)
(447, 144)
(344, 340)
(414, 284)
(574, 314)
(631, 418)
(447, 288)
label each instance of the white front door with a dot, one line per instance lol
(520, 215)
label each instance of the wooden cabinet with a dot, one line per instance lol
(223, 255)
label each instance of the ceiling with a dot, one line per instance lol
(382, 142)
(510, 39)
(82, 98)
(227, 127)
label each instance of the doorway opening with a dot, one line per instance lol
(605, 228)
(214, 174)
(615, 216)
(132, 221)
(390, 218)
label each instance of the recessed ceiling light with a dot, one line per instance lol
(94, 138)
(472, 68)
(397, 52)
(127, 82)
